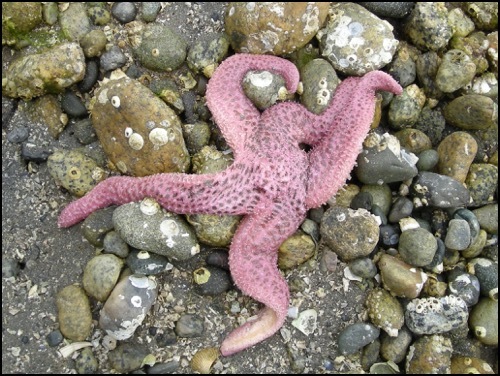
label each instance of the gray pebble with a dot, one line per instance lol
(456, 71)
(436, 265)
(417, 246)
(210, 280)
(34, 152)
(263, 88)
(97, 225)
(73, 105)
(363, 200)
(10, 267)
(363, 267)
(74, 21)
(113, 59)
(458, 235)
(54, 338)
(18, 135)
(488, 218)
(189, 326)
(471, 219)
(427, 160)
(101, 274)
(486, 272)
(124, 12)
(356, 336)
(436, 315)
(437, 190)
(389, 9)
(150, 10)
(115, 245)
(464, 285)
(84, 131)
(90, 78)
(93, 44)
(394, 348)
(127, 357)
(401, 208)
(389, 235)
(146, 263)
(164, 368)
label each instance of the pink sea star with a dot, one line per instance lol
(273, 181)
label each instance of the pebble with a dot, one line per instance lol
(394, 348)
(389, 235)
(363, 200)
(93, 44)
(476, 246)
(112, 59)
(458, 236)
(189, 326)
(264, 88)
(97, 225)
(98, 14)
(74, 171)
(427, 160)
(405, 109)
(158, 47)
(413, 140)
(486, 272)
(456, 153)
(400, 209)
(150, 10)
(263, 28)
(164, 368)
(101, 274)
(471, 112)
(22, 18)
(207, 53)
(456, 71)
(370, 354)
(348, 31)
(383, 161)
(148, 227)
(296, 250)
(417, 246)
(464, 285)
(385, 9)
(429, 354)
(127, 357)
(196, 135)
(484, 15)
(399, 278)
(127, 306)
(356, 336)
(319, 81)
(381, 194)
(74, 315)
(54, 338)
(427, 26)
(73, 105)
(436, 315)
(218, 258)
(349, 233)
(403, 67)
(488, 218)
(385, 311)
(211, 280)
(86, 362)
(482, 182)
(145, 129)
(440, 191)
(483, 321)
(74, 21)
(34, 152)
(115, 245)
(124, 12)
(363, 267)
(84, 131)
(465, 364)
(146, 263)
(35, 74)
(18, 135)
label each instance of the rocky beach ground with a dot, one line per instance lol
(369, 292)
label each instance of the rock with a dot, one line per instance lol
(189, 326)
(394, 348)
(417, 246)
(207, 53)
(74, 316)
(18, 19)
(49, 72)
(146, 136)
(385, 311)
(344, 40)
(413, 140)
(404, 110)
(100, 275)
(145, 263)
(436, 315)
(276, 28)
(356, 336)
(488, 218)
(484, 321)
(75, 171)
(466, 286)
(482, 182)
(127, 306)
(429, 354)
(74, 21)
(128, 357)
(296, 250)
(350, 234)
(437, 190)
(472, 112)
(319, 81)
(466, 364)
(399, 278)
(456, 71)
(456, 153)
(97, 225)
(306, 322)
(148, 227)
(211, 280)
(458, 236)
(486, 272)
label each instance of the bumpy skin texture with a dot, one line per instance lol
(273, 181)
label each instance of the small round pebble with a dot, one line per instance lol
(363, 267)
(54, 338)
(427, 160)
(115, 245)
(150, 10)
(456, 153)
(488, 218)
(401, 208)
(464, 285)
(127, 357)
(441, 191)
(10, 267)
(97, 225)
(189, 326)
(363, 200)
(394, 348)
(484, 321)
(385, 311)
(101, 274)
(429, 355)
(146, 263)
(458, 235)
(211, 280)
(86, 362)
(356, 336)
(112, 59)
(486, 272)
(18, 134)
(400, 278)
(73, 105)
(389, 235)
(124, 12)
(417, 246)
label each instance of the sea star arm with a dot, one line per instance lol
(253, 263)
(233, 112)
(333, 158)
(226, 192)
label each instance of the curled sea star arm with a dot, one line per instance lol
(333, 158)
(253, 262)
(233, 112)
(221, 193)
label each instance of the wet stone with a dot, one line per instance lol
(436, 315)
(264, 88)
(413, 140)
(382, 196)
(456, 153)
(471, 219)
(363, 267)
(476, 246)
(383, 161)
(482, 182)
(115, 245)
(84, 131)
(73, 105)
(417, 246)
(427, 160)
(296, 250)
(466, 286)
(437, 190)
(86, 362)
(401, 279)
(319, 81)
(484, 321)
(401, 208)
(101, 274)
(488, 218)
(97, 225)
(405, 109)
(456, 71)
(385, 311)
(54, 338)
(124, 12)
(458, 236)
(394, 348)
(189, 326)
(429, 354)
(207, 52)
(98, 14)
(349, 233)
(74, 21)
(349, 30)
(150, 10)
(472, 112)
(211, 280)
(127, 357)
(146, 263)
(127, 306)
(385, 9)
(356, 336)
(74, 316)
(486, 272)
(148, 227)
(112, 59)
(389, 235)
(363, 200)
(18, 135)
(93, 45)
(464, 364)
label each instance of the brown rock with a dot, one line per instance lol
(456, 153)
